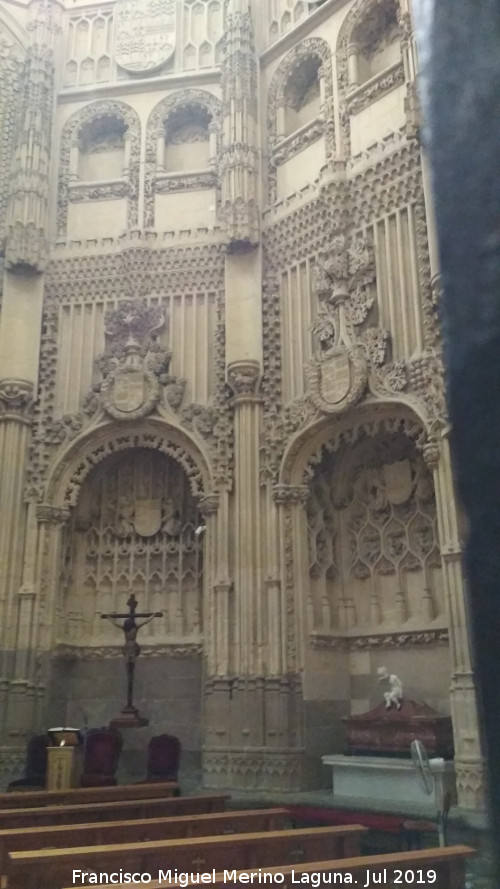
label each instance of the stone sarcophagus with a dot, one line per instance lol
(389, 732)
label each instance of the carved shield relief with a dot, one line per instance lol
(147, 517)
(145, 33)
(128, 390)
(398, 481)
(335, 378)
(337, 381)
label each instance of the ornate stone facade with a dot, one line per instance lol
(221, 379)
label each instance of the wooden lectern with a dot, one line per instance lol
(64, 761)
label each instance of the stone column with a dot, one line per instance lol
(469, 763)
(244, 380)
(16, 403)
(290, 501)
(353, 64)
(239, 158)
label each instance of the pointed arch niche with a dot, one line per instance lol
(373, 554)
(132, 530)
(363, 567)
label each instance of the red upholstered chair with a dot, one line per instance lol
(101, 752)
(35, 770)
(163, 759)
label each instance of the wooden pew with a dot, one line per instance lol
(144, 830)
(448, 865)
(15, 819)
(53, 869)
(86, 795)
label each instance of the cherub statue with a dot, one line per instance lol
(393, 697)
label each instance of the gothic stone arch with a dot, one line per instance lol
(69, 138)
(358, 11)
(155, 126)
(304, 449)
(74, 464)
(311, 47)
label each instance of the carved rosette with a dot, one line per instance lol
(244, 378)
(16, 400)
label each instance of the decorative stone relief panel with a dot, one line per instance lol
(374, 558)
(89, 48)
(202, 33)
(195, 390)
(99, 114)
(132, 530)
(105, 45)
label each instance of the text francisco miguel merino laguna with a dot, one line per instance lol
(313, 878)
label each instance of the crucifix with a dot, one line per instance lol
(130, 715)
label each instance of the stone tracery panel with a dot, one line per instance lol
(133, 529)
(89, 48)
(374, 561)
(124, 186)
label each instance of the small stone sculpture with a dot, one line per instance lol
(394, 696)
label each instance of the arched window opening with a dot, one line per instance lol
(376, 42)
(302, 95)
(101, 149)
(187, 139)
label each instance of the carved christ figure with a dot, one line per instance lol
(131, 648)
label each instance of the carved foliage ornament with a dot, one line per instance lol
(145, 33)
(16, 400)
(350, 356)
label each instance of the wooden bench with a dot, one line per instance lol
(86, 795)
(53, 869)
(448, 865)
(114, 832)
(14, 819)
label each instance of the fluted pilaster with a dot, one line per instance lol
(244, 380)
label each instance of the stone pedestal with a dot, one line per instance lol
(129, 718)
(371, 779)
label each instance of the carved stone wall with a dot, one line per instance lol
(240, 293)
